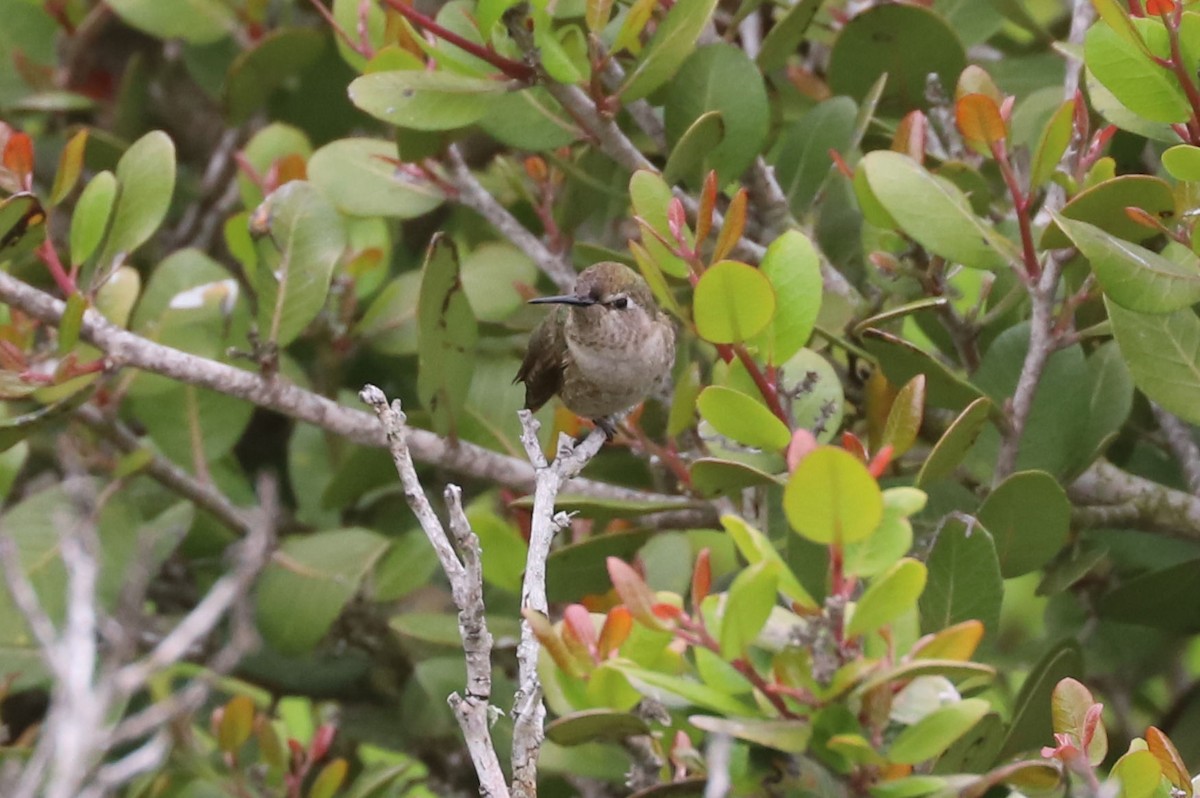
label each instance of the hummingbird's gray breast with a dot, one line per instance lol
(612, 366)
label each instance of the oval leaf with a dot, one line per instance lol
(732, 302)
(831, 498)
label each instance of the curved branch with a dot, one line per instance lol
(124, 348)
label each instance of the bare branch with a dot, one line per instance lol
(1107, 493)
(478, 199)
(1182, 444)
(529, 712)
(166, 473)
(124, 348)
(466, 584)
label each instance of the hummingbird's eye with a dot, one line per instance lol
(620, 303)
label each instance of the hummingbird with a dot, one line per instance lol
(603, 350)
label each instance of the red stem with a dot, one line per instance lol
(1021, 205)
(1181, 73)
(765, 387)
(50, 257)
(361, 49)
(512, 68)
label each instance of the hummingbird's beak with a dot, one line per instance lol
(565, 299)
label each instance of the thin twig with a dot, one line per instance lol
(528, 710)
(1182, 444)
(124, 348)
(466, 584)
(480, 200)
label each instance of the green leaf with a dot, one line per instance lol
(820, 400)
(720, 77)
(20, 215)
(1029, 518)
(306, 241)
(420, 100)
(732, 302)
(1139, 774)
(650, 196)
(146, 177)
(1160, 599)
(576, 570)
(1182, 162)
(236, 725)
(785, 35)
(755, 547)
(274, 59)
(964, 578)
(904, 419)
(794, 269)
(90, 217)
(832, 498)
(1140, 84)
(329, 780)
(194, 21)
(933, 211)
(747, 607)
(72, 319)
(1132, 276)
(742, 418)
(528, 119)
(1104, 205)
(360, 177)
(670, 46)
(934, 733)
(1031, 726)
(712, 476)
(890, 595)
(447, 332)
(955, 442)
(904, 42)
(1070, 704)
(677, 691)
(789, 736)
(117, 296)
(17, 428)
(1052, 144)
(801, 154)
(591, 725)
(187, 423)
(686, 161)
(303, 590)
(70, 166)
(390, 323)
(1163, 355)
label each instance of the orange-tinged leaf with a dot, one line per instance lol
(975, 80)
(615, 631)
(911, 135)
(1168, 757)
(957, 642)
(979, 121)
(1160, 6)
(731, 231)
(18, 159)
(544, 631)
(904, 418)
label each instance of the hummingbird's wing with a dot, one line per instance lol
(545, 360)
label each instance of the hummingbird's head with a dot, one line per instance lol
(609, 294)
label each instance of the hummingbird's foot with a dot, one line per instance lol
(607, 424)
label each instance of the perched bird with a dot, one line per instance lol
(604, 350)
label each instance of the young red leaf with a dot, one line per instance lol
(634, 592)
(852, 444)
(321, 741)
(677, 220)
(577, 623)
(802, 443)
(614, 632)
(1158, 7)
(910, 136)
(880, 461)
(544, 631)
(731, 231)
